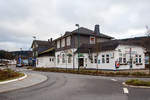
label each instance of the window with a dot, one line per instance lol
(37, 61)
(69, 59)
(95, 59)
(58, 44)
(50, 59)
(103, 58)
(124, 60)
(63, 42)
(120, 59)
(107, 58)
(36, 53)
(120, 54)
(85, 60)
(58, 59)
(92, 60)
(138, 59)
(68, 41)
(63, 58)
(92, 40)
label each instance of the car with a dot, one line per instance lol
(18, 65)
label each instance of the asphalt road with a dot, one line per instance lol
(60, 86)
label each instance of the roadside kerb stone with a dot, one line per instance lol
(31, 80)
(13, 80)
(134, 86)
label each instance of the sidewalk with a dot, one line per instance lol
(32, 79)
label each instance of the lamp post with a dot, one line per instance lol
(78, 45)
(20, 55)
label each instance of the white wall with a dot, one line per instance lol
(113, 57)
(45, 61)
(135, 50)
(66, 64)
(101, 65)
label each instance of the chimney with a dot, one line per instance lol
(97, 30)
(50, 40)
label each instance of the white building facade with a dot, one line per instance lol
(125, 56)
(108, 54)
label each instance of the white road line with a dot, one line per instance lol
(113, 79)
(125, 90)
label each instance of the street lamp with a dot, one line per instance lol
(20, 55)
(78, 45)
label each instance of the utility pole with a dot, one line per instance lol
(78, 45)
(130, 58)
(96, 42)
(148, 51)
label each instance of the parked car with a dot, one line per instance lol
(18, 65)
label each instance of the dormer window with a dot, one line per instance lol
(68, 41)
(58, 44)
(63, 42)
(92, 40)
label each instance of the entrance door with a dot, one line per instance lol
(81, 62)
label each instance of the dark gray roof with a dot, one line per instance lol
(85, 31)
(103, 46)
(141, 41)
(42, 43)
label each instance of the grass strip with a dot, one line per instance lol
(93, 72)
(136, 82)
(8, 74)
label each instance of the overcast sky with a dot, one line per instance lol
(20, 20)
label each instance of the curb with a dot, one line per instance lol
(135, 86)
(24, 86)
(18, 79)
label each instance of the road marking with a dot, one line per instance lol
(113, 79)
(125, 90)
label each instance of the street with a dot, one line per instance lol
(61, 86)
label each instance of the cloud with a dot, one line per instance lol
(22, 19)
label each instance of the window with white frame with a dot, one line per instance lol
(58, 59)
(63, 58)
(107, 58)
(95, 59)
(63, 42)
(68, 41)
(37, 61)
(124, 59)
(92, 60)
(50, 59)
(138, 58)
(103, 58)
(69, 59)
(120, 57)
(85, 60)
(92, 40)
(58, 44)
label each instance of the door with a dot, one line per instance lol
(81, 62)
